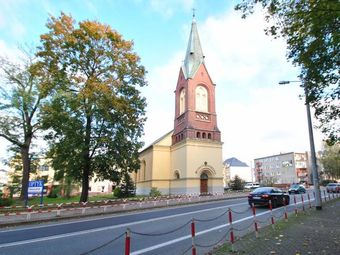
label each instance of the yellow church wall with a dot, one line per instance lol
(161, 162)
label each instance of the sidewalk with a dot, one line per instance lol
(311, 232)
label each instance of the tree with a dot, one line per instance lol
(330, 160)
(311, 31)
(96, 111)
(237, 183)
(21, 98)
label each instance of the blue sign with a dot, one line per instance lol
(35, 187)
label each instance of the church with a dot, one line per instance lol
(187, 160)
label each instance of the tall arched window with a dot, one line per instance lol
(182, 101)
(201, 99)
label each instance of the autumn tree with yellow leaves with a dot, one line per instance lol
(96, 112)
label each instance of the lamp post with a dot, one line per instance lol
(318, 204)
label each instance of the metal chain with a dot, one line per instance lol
(240, 212)
(241, 229)
(213, 244)
(103, 245)
(206, 220)
(158, 234)
(186, 250)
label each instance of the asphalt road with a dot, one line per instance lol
(163, 231)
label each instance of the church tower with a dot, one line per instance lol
(195, 114)
(196, 139)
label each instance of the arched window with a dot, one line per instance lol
(182, 101)
(201, 99)
(198, 135)
(203, 135)
(209, 136)
(177, 176)
(204, 176)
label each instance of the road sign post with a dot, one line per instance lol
(36, 188)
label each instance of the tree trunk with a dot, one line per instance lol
(85, 184)
(25, 171)
(87, 162)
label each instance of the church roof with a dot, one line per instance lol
(194, 55)
(234, 162)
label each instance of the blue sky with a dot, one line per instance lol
(256, 116)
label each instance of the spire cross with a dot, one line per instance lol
(193, 12)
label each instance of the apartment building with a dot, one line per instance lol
(283, 168)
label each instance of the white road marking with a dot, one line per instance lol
(110, 227)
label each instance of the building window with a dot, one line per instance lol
(201, 99)
(182, 101)
(198, 135)
(177, 176)
(203, 135)
(209, 136)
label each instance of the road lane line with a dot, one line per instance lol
(42, 239)
(116, 216)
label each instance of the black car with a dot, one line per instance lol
(296, 189)
(262, 196)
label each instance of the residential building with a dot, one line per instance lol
(282, 168)
(3, 178)
(233, 167)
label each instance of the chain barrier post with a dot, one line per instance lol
(285, 208)
(59, 209)
(296, 211)
(127, 241)
(29, 212)
(329, 196)
(324, 193)
(193, 237)
(271, 213)
(303, 204)
(309, 203)
(232, 239)
(255, 222)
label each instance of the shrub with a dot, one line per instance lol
(154, 192)
(55, 192)
(117, 192)
(237, 183)
(6, 201)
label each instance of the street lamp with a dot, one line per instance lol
(318, 204)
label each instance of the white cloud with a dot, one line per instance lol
(256, 116)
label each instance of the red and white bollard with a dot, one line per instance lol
(285, 208)
(127, 242)
(232, 238)
(29, 212)
(296, 211)
(324, 193)
(255, 222)
(59, 209)
(271, 214)
(303, 204)
(193, 250)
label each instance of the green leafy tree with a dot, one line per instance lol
(20, 103)
(330, 160)
(237, 183)
(311, 31)
(96, 111)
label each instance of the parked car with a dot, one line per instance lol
(250, 185)
(296, 189)
(333, 187)
(262, 196)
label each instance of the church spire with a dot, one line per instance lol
(194, 55)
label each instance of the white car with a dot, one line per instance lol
(250, 185)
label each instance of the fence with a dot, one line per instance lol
(231, 229)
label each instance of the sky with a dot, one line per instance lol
(255, 115)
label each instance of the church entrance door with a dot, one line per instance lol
(204, 183)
